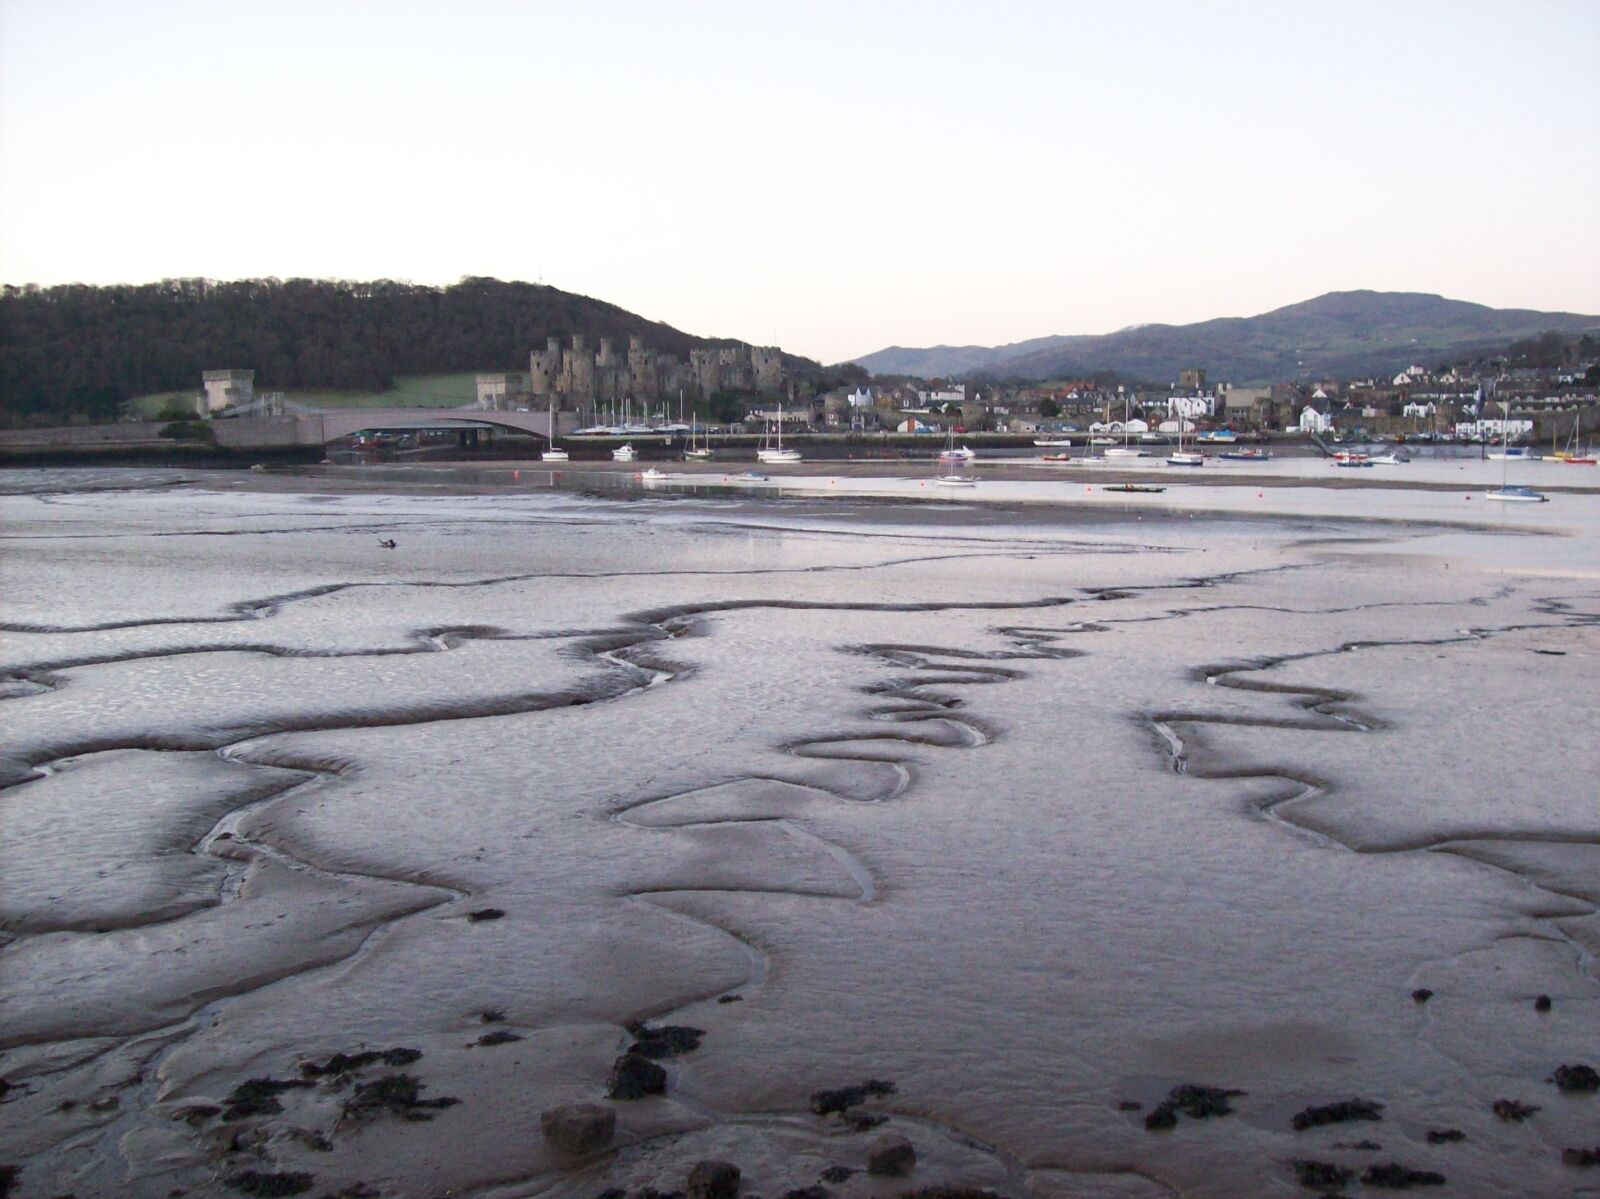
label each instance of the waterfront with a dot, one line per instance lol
(1033, 805)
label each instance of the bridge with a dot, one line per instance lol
(318, 426)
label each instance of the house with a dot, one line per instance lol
(1314, 421)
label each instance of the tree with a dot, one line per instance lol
(1049, 409)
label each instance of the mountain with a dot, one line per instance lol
(1341, 334)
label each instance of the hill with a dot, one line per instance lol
(1341, 334)
(78, 351)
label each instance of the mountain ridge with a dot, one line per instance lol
(1341, 333)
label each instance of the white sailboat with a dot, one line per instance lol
(625, 453)
(1510, 493)
(696, 452)
(950, 458)
(1125, 450)
(776, 453)
(551, 453)
(1181, 456)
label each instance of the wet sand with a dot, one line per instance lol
(1037, 809)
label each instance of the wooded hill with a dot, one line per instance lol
(82, 351)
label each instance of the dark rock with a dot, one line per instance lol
(258, 1182)
(500, 1036)
(890, 1154)
(1581, 1158)
(1580, 1079)
(713, 1180)
(861, 1121)
(807, 1193)
(259, 1097)
(1161, 1117)
(836, 1174)
(1336, 1113)
(8, 1179)
(634, 1077)
(1130, 1105)
(824, 1102)
(1421, 995)
(653, 1193)
(1542, 1004)
(670, 1040)
(609, 1192)
(1513, 1112)
(396, 1095)
(1313, 1174)
(492, 1016)
(1445, 1136)
(483, 914)
(580, 1128)
(938, 1192)
(1396, 1177)
(740, 999)
(5, 1089)
(196, 1114)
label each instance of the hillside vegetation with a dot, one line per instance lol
(78, 351)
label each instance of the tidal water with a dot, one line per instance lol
(1036, 812)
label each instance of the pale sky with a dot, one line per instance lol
(832, 177)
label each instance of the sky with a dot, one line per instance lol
(830, 177)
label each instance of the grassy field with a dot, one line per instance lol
(410, 391)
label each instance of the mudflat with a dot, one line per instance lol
(1228, 841)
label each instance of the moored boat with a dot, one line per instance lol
(1516, 494)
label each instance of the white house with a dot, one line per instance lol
(1191, 406)
(1422, 410)
(861, 397)
(1312, 421)
(938, 399)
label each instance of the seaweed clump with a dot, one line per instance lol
(259, 1097)
(258, 1182)
(1580, 1079)
(1336, 1113)
(670, 1040)
(841, 1100)
(1513, 1112)
(395, 1094)
(1396, 1177)
(1193, 1100)
(1314, 1174)
(344, 1063)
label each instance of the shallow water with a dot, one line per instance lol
(1030, 810)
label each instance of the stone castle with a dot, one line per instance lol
(580, 375)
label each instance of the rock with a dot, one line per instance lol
(634, 1077)
(1580, 1079)
(1336, 1113)
(1581, 1158)
(1513, 1112)
(1444, 1136)
(1314, 1174)
(713, 1180)
(1542, 1004)
(736, 999)
(483, 914)
(579, 1127)
(890, 1154)
(807, 1193)
(1200, 1102)
(1421, 995)
(499, 1036)
(836, 1174)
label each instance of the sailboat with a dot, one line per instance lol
(551, 453)
(1181, 456)
(776, 453)
(1513, 493)
(625, 453)
(696, 453)
(1125, 450)
(1574, 455)
(949, 459)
